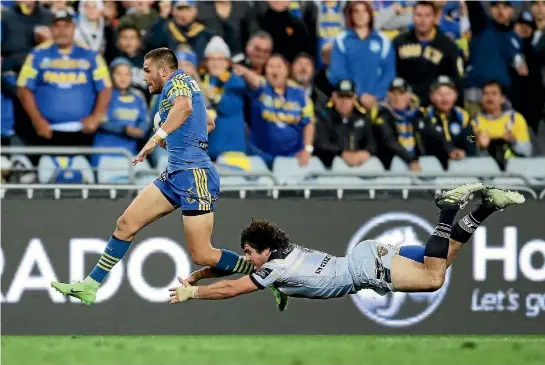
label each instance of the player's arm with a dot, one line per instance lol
(178, 114)
(223, 289)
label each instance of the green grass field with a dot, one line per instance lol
(274, 350)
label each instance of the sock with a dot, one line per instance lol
(465, 227)
(415, 253)
(437, 245)
(233, 263)
(115, 250)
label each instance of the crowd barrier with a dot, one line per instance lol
(494, 287)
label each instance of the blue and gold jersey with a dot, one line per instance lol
(65, 83)
(278, 119)
(188, 145)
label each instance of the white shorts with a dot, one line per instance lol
(369, 263)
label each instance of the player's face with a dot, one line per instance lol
(152, 76)
(492, 99)
(303, 70)
(444, 98)
(424, 19)
(257, 258)
(502, 13)
(63, 32)
(122, 77)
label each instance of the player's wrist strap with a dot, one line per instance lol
(159, 136)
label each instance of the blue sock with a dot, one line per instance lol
(115, 250)
(233, 263)
(415, 253)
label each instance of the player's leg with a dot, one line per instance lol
(151, 204)
(408, 275)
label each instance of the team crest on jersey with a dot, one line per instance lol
(163, 176)
(382, 251)
(263, 272)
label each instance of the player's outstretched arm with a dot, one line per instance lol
(206, 273)
(221, 290)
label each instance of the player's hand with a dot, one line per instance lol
(146, 151)
(43, 128)
(182, 293)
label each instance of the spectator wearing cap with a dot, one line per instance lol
(24, 25)
(302, 71)
(501, 133)
(344, 129)
(225, 92)
(290, 35)
(225, 19)
(403, 127)
(129, 46)
(450, 120)
(528, 92)
(126, 121)
(142, 16)
(362, 55)
(392, 17)
(90, 25)
(181, 29)
(282, 118)
(425, 52)
(494, 48)
(65, 88)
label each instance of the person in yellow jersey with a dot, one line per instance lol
(502, 133)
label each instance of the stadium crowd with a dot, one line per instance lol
(352, 79)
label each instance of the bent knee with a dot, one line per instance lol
(203, 257)
(436, 281)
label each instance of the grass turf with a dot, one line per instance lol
(273, 350)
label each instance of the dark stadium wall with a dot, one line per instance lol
(495, 286)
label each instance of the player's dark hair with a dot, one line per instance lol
(262, 234)
(164, 55)
(494, 83)
(128, 26)
(427, 3)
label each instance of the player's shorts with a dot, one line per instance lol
(194, 191)
(369, 263)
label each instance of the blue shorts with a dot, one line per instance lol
(194, 191)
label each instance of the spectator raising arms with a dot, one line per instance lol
(282, 122)
(64, 88)
(362, 55)
(344, 129)
(90, 25)
(126, 120)
(503, 134)
(424, 52)
(225, 92)
(181, 29)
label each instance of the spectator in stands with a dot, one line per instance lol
(302, 71)
(454, 23)
(425, 52)
(282, 122)
(129, 46)
(126, 120)
(528, 92)
(503, 134)
(181, 29)
(392, 17)
(493, 49)
(9, 94)
(362, 55)
(344, 129)
(258, 51)
(187, 61)
(90, 25)
(400, 126)
(111, 15)
(225, 92)
(23, 26)
(142, 15)
(224, 18)
(451, 121)
(64, 88)
(290, 35)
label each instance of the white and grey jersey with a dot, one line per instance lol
(301, 272)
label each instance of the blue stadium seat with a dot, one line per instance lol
(288, 171)
(65, 170)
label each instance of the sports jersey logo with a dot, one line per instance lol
(397, 229)
(263, 272)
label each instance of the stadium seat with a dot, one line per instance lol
(398, 165)
(431, 165)
(243, 163)
(231, 181)
(479, 165)
(532, 168)
(144, 174)
(372, 166)
(116, 169)
(288, 171)
(65, 170)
